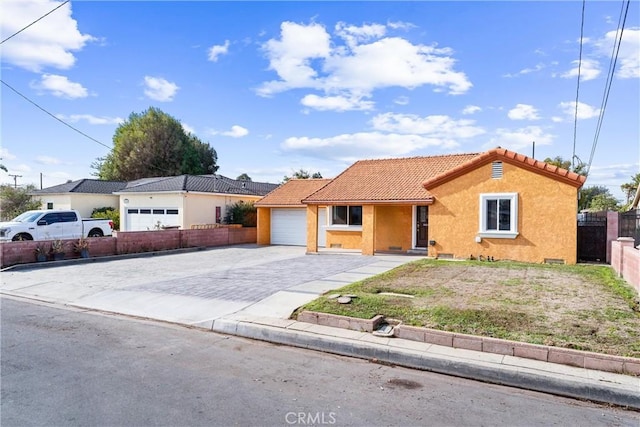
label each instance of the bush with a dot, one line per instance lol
(242, 213)
(108, 213)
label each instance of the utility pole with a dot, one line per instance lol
(15, 180)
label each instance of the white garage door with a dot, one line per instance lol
(289, 227)
(142, 219)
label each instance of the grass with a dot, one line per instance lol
(583, 307)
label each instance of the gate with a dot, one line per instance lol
(592, 236)
(629, 225)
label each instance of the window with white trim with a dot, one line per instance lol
(346, 215)
(499, 215)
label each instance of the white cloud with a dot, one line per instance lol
(517, 139)
(6, 155)
(523, 112)
(235, 132)
(401, 100)
(399, 25)
(585, 111)
(350, 147)
(589, 70)
(335, 103)
(437, 126)
(60, 86)
(47, 160)
(392, 135)
(216, 51)
(306, 56)
(471, 109)
(91, 119)
(354, 35)
(49, 43)
(159, 89)
(557, 119)
(628, 65)
(524, 71)
(188, 128)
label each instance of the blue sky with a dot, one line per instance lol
(279, 86)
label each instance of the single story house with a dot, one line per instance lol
(498, 205)
(183, 201)
(83, 195)
(149, 203)
(282, 217)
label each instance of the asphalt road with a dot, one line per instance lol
(71, 368)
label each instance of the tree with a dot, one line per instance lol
(630, 188)
(587, 194)
(558, 161)
(154, 144)
(14, 201)
(302, 174)
(243, 177)
(604, 202)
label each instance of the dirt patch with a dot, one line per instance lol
(580, 307)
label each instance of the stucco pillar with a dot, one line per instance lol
(264, 226)
(612, 232)
(368, 229)
(312, 228)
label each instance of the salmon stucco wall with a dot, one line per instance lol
(547, 222)
(312, 228)
(264, 226)
(344, 239)
(394, 228)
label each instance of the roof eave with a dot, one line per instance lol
(425, 201)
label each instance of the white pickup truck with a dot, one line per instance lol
(50, 224)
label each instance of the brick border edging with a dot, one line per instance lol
(563, 356)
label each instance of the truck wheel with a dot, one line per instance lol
(22, 236)
(95, 233)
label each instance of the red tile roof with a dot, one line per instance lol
(387, 180)
(520, 160)
(291, 193)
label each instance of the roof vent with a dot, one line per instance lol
(496, 170)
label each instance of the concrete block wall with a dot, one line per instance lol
(127, 242)
(625, 260)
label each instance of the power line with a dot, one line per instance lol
(57, 118)
(24, 28)
(575, 121)
(608, 83)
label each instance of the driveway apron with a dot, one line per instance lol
(198, 287)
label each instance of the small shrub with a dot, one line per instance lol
(108, 213)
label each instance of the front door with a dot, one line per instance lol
(422, 226)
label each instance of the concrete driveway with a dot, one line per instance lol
(198, 287)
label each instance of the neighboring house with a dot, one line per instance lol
(282, 217)
(149, 203)
(84, 195)
(497, 204)
(183, 201)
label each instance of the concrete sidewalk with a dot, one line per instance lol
(267, 318)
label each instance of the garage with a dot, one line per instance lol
(142, 219)
(289, 226)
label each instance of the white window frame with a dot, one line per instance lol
(512, 233)
(347, 226)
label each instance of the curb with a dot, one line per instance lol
(512, 376)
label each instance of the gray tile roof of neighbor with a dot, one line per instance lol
(92, 186)
(200, 184)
